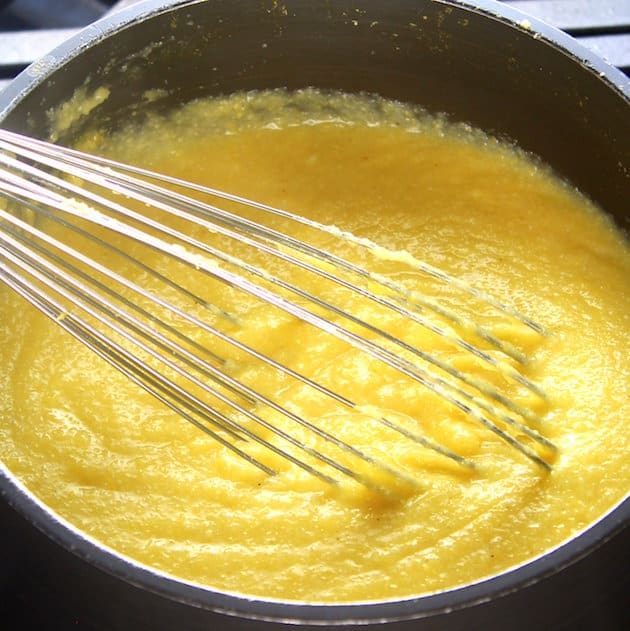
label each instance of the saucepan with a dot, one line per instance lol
(478, 62)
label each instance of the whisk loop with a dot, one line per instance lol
(135, 322)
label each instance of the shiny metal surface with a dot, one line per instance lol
(603, 27)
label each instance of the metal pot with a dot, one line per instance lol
(481, 63)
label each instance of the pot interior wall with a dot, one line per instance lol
(449, 59)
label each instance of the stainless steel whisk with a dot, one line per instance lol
(142, 332)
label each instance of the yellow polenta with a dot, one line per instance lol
(129, 472)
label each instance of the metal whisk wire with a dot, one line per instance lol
(61, 186)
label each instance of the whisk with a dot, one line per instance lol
(73, 218)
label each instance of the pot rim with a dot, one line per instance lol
(294, 612)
